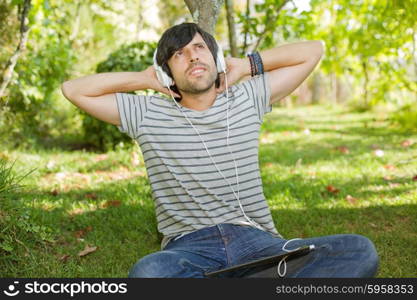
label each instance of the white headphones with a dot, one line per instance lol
(167, 81)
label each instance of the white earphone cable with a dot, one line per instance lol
(283, 260)
(228, 146)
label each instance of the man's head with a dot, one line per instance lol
(188, 55)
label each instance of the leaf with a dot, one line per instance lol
(91, 196)
(332, 189)
(113, 203)
(101, 157)
(351, 200)
(82, 232)
(87, 250)
(64, 258)
(406, 143)
(343, 149)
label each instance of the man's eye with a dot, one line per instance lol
(178, 53)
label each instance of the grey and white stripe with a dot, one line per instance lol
(188, 191)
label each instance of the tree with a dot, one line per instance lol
(205, 12)
(232, 28)
(24, 31)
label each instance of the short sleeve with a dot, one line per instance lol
(259, 93)
(132, 109)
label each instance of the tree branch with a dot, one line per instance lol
(268, 25)
(24, 32)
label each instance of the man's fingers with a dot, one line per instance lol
(169, 93)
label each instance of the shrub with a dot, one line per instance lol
(133, 57)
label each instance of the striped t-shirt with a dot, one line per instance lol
(188, 190)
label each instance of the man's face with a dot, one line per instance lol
(193, 67)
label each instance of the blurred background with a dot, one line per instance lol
(370, 60)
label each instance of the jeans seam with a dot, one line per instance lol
(224, 243)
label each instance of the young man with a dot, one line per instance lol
(201, 156)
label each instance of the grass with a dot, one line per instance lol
(325, 171)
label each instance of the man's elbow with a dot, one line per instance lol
(66, 91)
(319, 47)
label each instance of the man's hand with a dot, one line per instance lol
(96, 94)
(237, 68)
(155, 85)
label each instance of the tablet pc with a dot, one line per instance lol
(264, 261)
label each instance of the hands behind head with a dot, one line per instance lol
(155, 85)
(237, 69)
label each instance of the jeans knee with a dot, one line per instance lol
(148, 267)
(370, 256)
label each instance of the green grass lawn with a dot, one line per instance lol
(325, 171)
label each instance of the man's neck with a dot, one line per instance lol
(199, 101)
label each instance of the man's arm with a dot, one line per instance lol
(289, 65)
(95, 94)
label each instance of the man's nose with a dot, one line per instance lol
(193, 56)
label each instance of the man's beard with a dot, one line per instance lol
(198, 86)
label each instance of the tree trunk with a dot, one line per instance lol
(414, 57)
(333, 84)
(365, 82)
(232, 28)
(246, 28)
(24, 32)
(316, 88)
(205, 13)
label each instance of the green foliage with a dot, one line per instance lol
(17, 228)
(32, 108)
(8, 181)
(368, 43)
(406, 117)
(133, 57)
(64, 36)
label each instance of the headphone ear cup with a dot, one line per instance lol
(221, 64)
(163, 77)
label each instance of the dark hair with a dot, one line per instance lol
(178, 37)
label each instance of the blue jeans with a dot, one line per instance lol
(224, 245)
